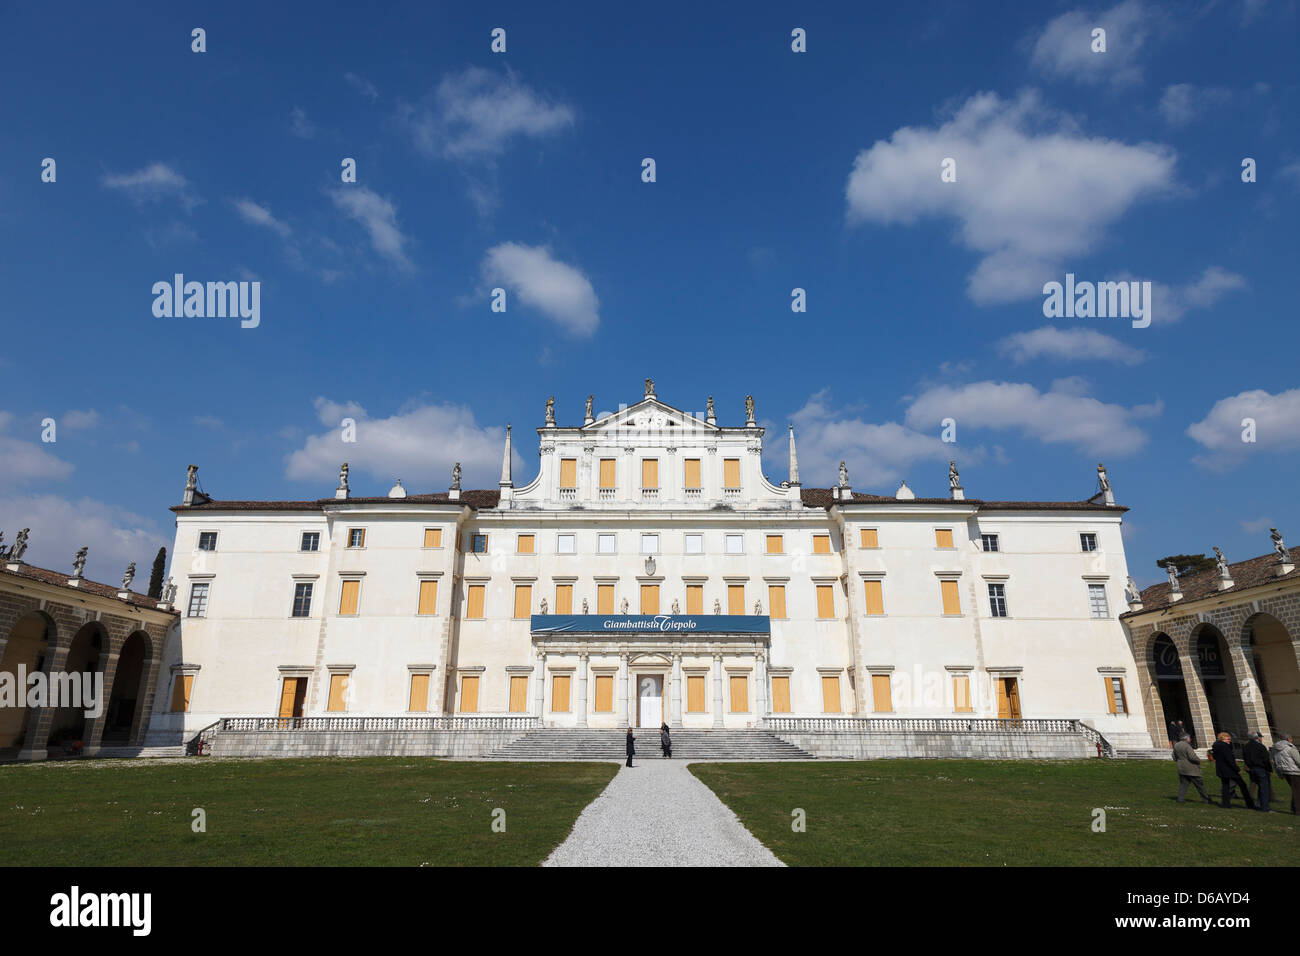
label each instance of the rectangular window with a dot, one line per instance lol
(989, 542)
(731, 474)
(524, 544)
(604, 693)
(691, 479)
(428, 597)
(830, 694)
(1097, 600)
(564, 599)
(649, 474)
(997, 600)
(568, 473)
(735, 544)
(605, 544)
(649, 599)
(292, 694)
(780, 695)
(181, 693)
(560, 694)
(607, 473)
(349, 593)
(775, 544)
(523, 600)
(739, 694)
(870, 539)
(565, 544)
(469, 694)
(821, 544)
(518, 694)
(874, 595)
(776, 600)
(478, 543)
(1088, 541)
(735, 599)
(433, 537)
(649, 544)
(338, 700)
(695, 544)
(1115, 695)
(961, 694)
(883, 702)
(695, 693)
(207, 541)
(951, 598)
(310, 541)
(695, 599)
(604, 599)
(302, 599)
(943, 537)
(825, 601)
(356, 537)
(474, 602)
(418, 702)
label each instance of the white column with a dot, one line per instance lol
(582, 689)
(760, 678)
(541, 685)
(622, 690)
(676, 719)
(717, 690)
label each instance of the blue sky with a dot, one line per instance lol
(775, 170)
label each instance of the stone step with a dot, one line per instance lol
(1145, 753)
(129, 752)
(693, 744)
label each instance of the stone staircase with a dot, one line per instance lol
(610, 744)
(1144, 753)
(125, 752)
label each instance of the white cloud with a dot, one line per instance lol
(475, 114)
(299, 125)
(1031, 190)
(379, 217)
(1171, 303)
(26, 461)
(153, 183)
(1068, 345)
(1065, 414)
(539, 280)
(250, 211)
(1184, 102)
(59, 526)
(1258, 525)
(362, 86)
(419, 444)
(1064, 48)
(1277, 427)
(79, 418)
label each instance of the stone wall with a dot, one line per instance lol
(940, 745)
(396, 743)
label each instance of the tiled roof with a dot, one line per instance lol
(821, 498)
(1202, 584)
(473, 498)
(60, 579)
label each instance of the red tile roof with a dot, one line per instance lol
(1202, 584)
(60, 579)
(471, 498)
(821, 498)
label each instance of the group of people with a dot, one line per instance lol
(665, 743)
(1261, 763)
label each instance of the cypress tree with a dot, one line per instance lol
(156, 576)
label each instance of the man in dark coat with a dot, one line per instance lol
(1225, 765)
(1260, 768)
(665, 741)
(1176, 732)
(631, 750)
(1189, 770)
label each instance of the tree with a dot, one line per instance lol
(1186, 563)
(160, 565)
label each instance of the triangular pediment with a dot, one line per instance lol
(649, 659)
(651, 413)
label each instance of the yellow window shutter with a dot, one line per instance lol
(568, 472)
(869, 538)
(469, 694)
(874, 596)
(731, 473)
(475, 602)
(830, 694)
(649, 599)
(525, 544)
(560, 694)
(564, 599)
(951, 599)
(695, 693)
(735, 599)
(433, 537)
(943, 537)
(428, 597)
(607, 472)
(338, 692)
(348, 598)
(419, 701)
(649, 472)
(181, 693)
(695, 599)
(1110, 693)
(780, 695)
(775, 544)
(604, 599)
(821, 544)
(518, 694)
(604, 693)
(739, 694)
(692, 479)
(523, 600)
(776, 600)
(825, 601)
(881, 693)
(961, 693)
(288, 693)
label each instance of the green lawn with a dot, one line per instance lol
(994, 813)
(367, 811)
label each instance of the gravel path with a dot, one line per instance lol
(658, 814)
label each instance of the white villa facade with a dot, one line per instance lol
(650, 572)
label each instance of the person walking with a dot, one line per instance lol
(1225, 765)
(665, 741)
(631, 749)
(1286, 761)
(1189, 770)
(1255, 757)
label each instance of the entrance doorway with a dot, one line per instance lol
(1171, 686)
(650, 701)
(1008, 698)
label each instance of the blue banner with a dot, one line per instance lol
(651, 623)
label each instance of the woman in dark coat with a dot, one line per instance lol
(665, 741)
(631, 746)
